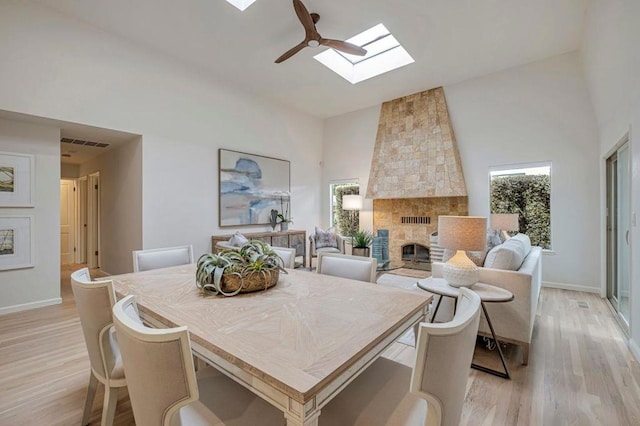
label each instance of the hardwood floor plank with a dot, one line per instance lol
(580, 370)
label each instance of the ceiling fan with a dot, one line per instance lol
(313, 39)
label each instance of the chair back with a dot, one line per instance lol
(158, 364)
(94, 301)
(347, 266)
(145, 260)
(288, 256)
(443, 359)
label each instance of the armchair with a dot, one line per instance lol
(314, 251)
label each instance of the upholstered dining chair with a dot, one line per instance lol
(163, 385)
(145, 260)
(93, 302)
(288, 256)
(432, 393)
(348, 266)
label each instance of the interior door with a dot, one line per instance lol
(67, 221)
(81, 190)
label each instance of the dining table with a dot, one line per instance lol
(296, 345)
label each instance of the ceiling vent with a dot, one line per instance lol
(83, 142)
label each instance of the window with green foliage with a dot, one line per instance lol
(526, 191)
(345, 221)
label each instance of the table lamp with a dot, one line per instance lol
(503, 222)
(353, 203)
(461, 233)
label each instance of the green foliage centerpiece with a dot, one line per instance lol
(254, 266)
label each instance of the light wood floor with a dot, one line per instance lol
(580, 370)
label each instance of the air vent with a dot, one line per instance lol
(85, 143)
(417, 220)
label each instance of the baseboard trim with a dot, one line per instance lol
(572, 287)
(30, 305)
(635, 349)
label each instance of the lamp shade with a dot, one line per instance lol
(352, 202)
(462, 232)
(505, 222)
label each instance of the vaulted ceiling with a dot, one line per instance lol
(450, 40)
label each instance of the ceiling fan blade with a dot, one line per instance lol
(289, 53)
(305, 19)
(344, 46)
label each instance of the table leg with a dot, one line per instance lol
(293, 420)
(435, 311)
(504, 375)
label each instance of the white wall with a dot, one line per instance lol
(536, 112)
(40, 285)
(611, 55)
(57, 67)
(120, 204)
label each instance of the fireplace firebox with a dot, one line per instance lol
(416, 253)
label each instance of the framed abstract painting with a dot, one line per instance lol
(250, 186)
(16, 180)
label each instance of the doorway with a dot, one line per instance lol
(67, 221)
(618, 232)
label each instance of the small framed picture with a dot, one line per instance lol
(16, 242)
(16, 180)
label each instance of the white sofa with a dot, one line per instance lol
(512, 321)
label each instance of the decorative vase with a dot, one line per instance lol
(360, 251)
(284, 226)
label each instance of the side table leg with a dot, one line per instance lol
(433, 317)
(504, 375)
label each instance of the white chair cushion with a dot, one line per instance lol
(347, 268)
(328, 250)
(508, 256)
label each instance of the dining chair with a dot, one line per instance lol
(288, 256)
(164, 387)
(348, 266)
(432, 393)
(145, 260)
(93, 302)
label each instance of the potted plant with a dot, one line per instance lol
(284, 222)
(254, 266)
(361, 240)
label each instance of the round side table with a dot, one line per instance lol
(488, 293)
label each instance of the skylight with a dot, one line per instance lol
(241, 4)
(384, 53)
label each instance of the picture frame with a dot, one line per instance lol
(16, 179)
(16, 242)
(250, 186)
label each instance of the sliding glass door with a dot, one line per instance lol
(618, 229)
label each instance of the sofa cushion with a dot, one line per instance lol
(326, 238)
(524, 238)
(508, 255)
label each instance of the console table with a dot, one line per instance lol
(290, 239)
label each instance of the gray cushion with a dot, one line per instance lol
(326, 238)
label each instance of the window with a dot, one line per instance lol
(526, 190)
(384, 53)
(345, 221)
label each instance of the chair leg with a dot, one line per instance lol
(109, 406)
(525, 354)
(88, 402)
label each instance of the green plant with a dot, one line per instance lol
(284, 219)
(346, 221)
(361, 238)
(530, 197)
(253, 257)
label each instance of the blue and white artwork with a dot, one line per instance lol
(250, 187)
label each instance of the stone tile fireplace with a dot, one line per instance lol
(416, 172)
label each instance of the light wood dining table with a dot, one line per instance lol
(296, 345)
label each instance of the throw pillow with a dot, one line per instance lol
(524, 239)
(238, 240)
(509, 256)
(326, 238)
